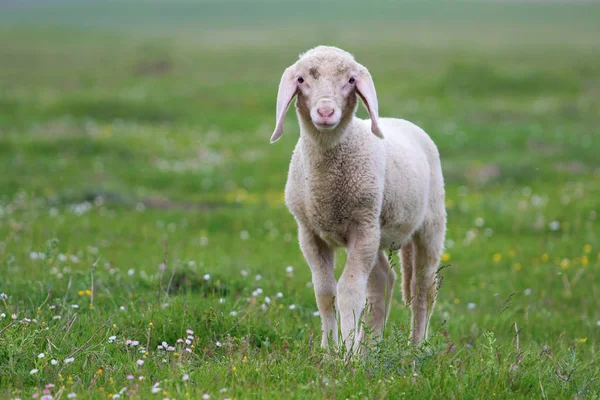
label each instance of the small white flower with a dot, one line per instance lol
(258, 277)
(221, 300)
(554, 225)
(54, 362)
(156, 389)
(41, 355)
(316, 314)
(141, 378)
(190, 337)
(292, 306)
(131, 272)
(165, 344)
(69, 360)
(122, 308)
(3, 296)
(71, 395)
(188, 341)
(160, 347)
(57, 317)
(112, 338)
(170, 348)
(279, 295)
(189, 331)
(527, 292)
(2, 315)
(206, 277)
(244, 235)
(140, 362)
(471, 306)
(33, 371)
(185, 377)
(223, 390)
(233, 313)
(180, 340)
(116, 396)
(134, 343)
(268, 300)
(244, 272)
(479, 222)
(289, 269)
(219, 344)
(74, 305)
(205, 396)
(597, 323)
(188, 349)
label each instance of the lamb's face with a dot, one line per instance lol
(326, 81)
(326, 88)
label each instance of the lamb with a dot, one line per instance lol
(367, 185)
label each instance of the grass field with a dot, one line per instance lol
(140, 199)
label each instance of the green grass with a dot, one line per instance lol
(136, 134)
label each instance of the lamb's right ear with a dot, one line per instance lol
(287, 90)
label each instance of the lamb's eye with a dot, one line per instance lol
(300, 79)
(352, 81)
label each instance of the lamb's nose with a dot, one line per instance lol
(325, 112)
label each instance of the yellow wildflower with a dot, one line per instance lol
(517, 266)
(585, 261)
(497, 257)
(88, 292)
(587, 248)
(564, 264)
(81, 292)
(581, 340)
(445, 257)
(151, 324)
(456, 301)
(99, 372)
(545, 257)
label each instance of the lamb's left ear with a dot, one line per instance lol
(366, 91)
(287, 90)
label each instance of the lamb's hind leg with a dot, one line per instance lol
(380, 289)
(428, 251)
(408, 260)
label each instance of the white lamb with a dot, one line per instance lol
(366, 185)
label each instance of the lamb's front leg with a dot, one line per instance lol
(352, 287)
(320, 257)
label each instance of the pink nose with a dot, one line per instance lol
(325, 112)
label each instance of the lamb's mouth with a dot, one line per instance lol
(325, 126)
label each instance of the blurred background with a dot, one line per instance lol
(128, 124)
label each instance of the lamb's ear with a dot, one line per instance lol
(287, 90)
(366, 90)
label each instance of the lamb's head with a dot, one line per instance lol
(326, 81)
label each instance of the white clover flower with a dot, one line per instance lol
(233, 313)
(279, 295)
(268, 300)
(131, 272)
(292, 307)
(140, 362)
(206, 277)
(205, 396)
(189, 331)
(71, 395)
(33, 371)
(69, 360)
(185, 377)
(122, 308)
(289, 269)
(258, 277)
(315, 314)
(41, 355)
(74, 305)
(471, 306)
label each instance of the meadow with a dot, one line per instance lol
(145, 249)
